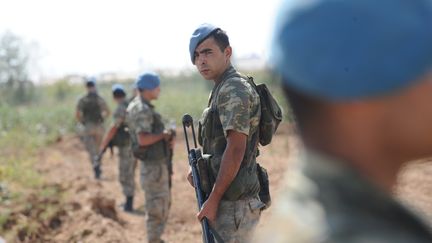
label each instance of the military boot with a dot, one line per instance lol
(128, 206)
(97, 171)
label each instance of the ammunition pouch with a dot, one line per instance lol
(264, 193)
(207, 179)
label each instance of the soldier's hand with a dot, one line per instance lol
(189, 177)
(209, 210)
(166, 136)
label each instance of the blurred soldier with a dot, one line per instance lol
(91, 112)
(229, 134)
(118, 136)
(150, 145)
(357, 74)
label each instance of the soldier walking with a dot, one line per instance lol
(118, 136)
(91, 112)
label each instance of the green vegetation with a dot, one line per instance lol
(25, 128)
(45, 116)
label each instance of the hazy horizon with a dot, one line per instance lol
(92, 37)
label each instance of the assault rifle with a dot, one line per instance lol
(209, 235)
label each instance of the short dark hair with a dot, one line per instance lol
(221, 38)
(119, 93)
(90, 84)
(305, 108)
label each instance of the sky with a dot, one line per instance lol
(93, 36)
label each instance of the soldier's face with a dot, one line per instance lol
(155, 93)
(210, 61)
(152, 94)
(409, 122)
(118, 100)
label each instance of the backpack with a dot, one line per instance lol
(271, 113)
(92, 112)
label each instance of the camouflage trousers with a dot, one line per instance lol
(92, 139)
(236, 220)
(154, 181)
(127, 165)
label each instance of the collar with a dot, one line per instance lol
(143, 100)
(227, 73)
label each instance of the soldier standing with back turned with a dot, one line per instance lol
(91, 111)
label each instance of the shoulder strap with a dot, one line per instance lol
(251, 82)
(255, 139)
(215, 91)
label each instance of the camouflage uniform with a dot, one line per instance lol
(127, 163)
(329, 202)
(234, 105)
(154, 172)
(93, 128)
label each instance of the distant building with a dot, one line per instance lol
(249, 62)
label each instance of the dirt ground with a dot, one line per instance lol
(94, 210)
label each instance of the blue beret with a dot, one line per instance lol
(91, 80)
(349, 49)
(200, 34)
(117, 87)
(147, 80)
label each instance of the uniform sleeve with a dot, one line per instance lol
(119, 115)
(233, 105)
(143, 121)
(79, 106)
(103, 105)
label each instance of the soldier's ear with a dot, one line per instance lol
(228, 52)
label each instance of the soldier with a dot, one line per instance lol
(229, 134)
(150, 145)
(358, 77)
(118, 135)
(91, 111)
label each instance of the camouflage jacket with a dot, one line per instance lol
(119, 115)
(233, 105)
(329, 202)
(142, 118)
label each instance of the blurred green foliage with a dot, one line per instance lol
(25, 128)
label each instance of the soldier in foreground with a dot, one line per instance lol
(118, 136)
(357, 75)
(150, 144)
(229, 133)
(91, 112)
